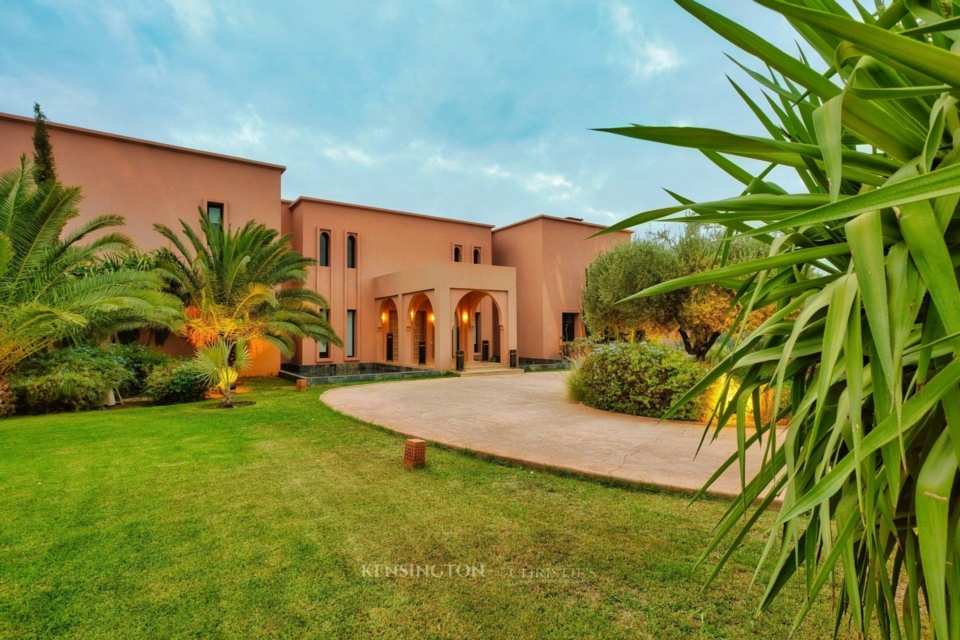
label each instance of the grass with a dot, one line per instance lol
(189, 522)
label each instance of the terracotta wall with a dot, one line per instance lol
(148, 182)
(551, 256)
(387, 241)
(521, 246)
(568, 250)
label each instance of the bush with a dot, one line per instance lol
(641, 379)
(140, 360)
(69, 379)
(176, 382)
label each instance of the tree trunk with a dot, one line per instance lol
(7, 402)
(227, 401)
(698, 351)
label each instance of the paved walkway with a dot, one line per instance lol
(527, 419)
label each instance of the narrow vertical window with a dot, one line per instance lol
(457, 257)
(350, 342)
(476, 256)
(215, 212)
(323, 349)
(351, 252)
(476, 332)
(324, 253)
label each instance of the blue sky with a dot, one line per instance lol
(474, 110)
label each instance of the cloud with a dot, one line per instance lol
(496, 171)
(247, 132)
(194, 16)
(646, 57)
(540, 181)
(437, 161)
(348, 153)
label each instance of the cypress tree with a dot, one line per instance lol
(44, 166)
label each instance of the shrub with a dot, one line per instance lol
(176, 382)
(641, 379)
(140, 360)
(69, 379)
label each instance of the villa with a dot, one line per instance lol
(406, 290)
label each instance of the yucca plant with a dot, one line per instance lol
(243, 285)
(48, 293)
(865, 326)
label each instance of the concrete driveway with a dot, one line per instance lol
(527, 419)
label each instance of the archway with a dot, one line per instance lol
(388, 348)
(422, 334)
(478, 328)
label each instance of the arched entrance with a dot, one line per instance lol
(422, 334)
(388, 349)
(478, 328)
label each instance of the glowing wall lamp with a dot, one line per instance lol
(431, 318)
(412, 314)
(383, 317)
(466, 317)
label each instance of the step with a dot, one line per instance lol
(489, 371)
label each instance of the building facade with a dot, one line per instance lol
(405, 289)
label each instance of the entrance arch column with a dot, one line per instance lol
(443, 314)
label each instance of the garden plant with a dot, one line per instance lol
(46, 295)
(242, 293)
(860, 279)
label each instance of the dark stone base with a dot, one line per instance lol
(529, 361)
(321, 374)
(555, 365)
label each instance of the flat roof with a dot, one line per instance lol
(567, 220)
(147, 143)
(393, 211)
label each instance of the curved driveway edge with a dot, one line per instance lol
(528, 420)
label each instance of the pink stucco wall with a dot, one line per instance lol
(551, 256)
(147, 182)
(387, 242)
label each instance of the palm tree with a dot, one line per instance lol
(46, 293)
(242, 289)
(221, 363)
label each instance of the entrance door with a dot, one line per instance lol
(569, 326)
(393, 339)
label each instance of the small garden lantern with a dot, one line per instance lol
(415, 453)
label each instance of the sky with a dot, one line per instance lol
(475, 110)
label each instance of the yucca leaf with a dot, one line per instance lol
(933, 511)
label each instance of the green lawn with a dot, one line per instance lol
(191, 522)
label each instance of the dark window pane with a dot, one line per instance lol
(476, 256)
(351, 252)
(323, 349)
(351, 333)
(324, 258)
(456, 254)
(215, 212)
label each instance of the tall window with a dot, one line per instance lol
(476, 256)
(324, 254)
(323, 349)
(350, 344)
(351, 252)
(457, 255)
(215, 212)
